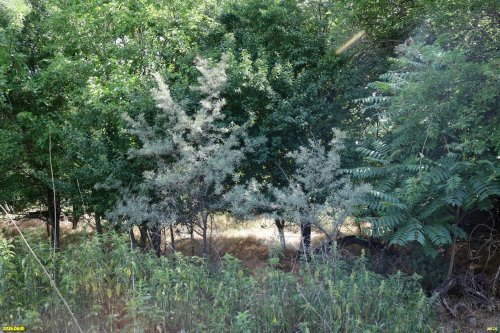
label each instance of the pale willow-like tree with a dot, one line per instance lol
(318, 193)
(196, 154)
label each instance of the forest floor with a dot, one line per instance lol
(254, 243)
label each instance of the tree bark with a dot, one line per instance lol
(204, 219)
(98, 224)
(172, 238)
(156, 240)
(453, 246)
(132, 238)
(144, 237)
(191, 234)
(280, 224)
(76, 217)
(48, 228)
(305, 231)
(54, 209)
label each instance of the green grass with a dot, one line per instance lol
(111, 288)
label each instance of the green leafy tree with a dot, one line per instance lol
(434, 146)
(75, 67)
(288, 74)
(32, 113)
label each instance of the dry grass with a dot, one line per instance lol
(482, 321)
(37, 229)
(254, 242)
(23, 223)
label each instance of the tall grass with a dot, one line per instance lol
(112, 288)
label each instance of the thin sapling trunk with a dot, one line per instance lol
(280, 224)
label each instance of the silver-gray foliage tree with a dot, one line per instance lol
(318, 193)
(195, 156)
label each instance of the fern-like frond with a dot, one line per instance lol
(430, 209)
(438, 174)
(484, 188)
(457, 231)
(411, 231)
(386, 184)
(453, 183)
(373, 155)
(373, 100)
(388, 198)
(404, 62)
(438, 234)
(390, 221)
(366, 172)
(386, 87)
(382, 148)
(415, 167)
(455, 198)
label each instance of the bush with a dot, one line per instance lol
(111, 288)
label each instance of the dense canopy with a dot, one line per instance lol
(158, 115)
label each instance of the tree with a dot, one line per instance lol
(32, 114)
(76, 67)
(287, 73)
(195, 155)
(318, 193)
(434, 146)
(113, 50)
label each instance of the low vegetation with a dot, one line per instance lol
(112, 288)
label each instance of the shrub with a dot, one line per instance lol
(121, 289)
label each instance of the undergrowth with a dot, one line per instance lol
(112, 288)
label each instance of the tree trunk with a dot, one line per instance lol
(76, 217)
(305, 231)
(452, 258)
(453, 246)
(54, 209)
(156, 240)
(144, 237)
(191, 234)
(132, 238)
(75, 221)
(172, 238)
(204, 220)
(280, 224)
(48, 228)
(98, 224)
